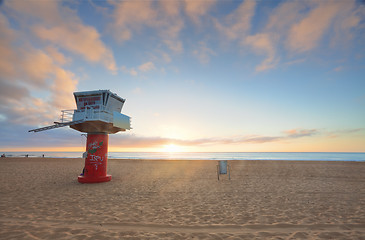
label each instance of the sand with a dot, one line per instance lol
(40, 198)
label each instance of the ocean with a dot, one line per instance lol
(289, 156)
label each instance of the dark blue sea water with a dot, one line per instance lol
(301, 156)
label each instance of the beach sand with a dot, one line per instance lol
(40, 198)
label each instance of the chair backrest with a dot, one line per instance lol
(223, 167)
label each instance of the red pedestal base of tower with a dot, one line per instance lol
(96, 161)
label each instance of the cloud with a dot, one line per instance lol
(145, 67)
(299, 133)
(263, 44)
(293, 12)
(305, 27)
(347, 22)
(238, 23)
(79, 39)
(267, 42)
(163, 16)
(306, 34)
(203, 53)
(64, 83)
(338, 69)
(166, 57)
(174, 45)
(37, 67)
(134, 141)
(126, 20)
(62, 27)
(130, 71)
(196, 9)
(10, 92)
(236, 26)
(37, 72)
(7, 36)
(344, 132)
(57, 55)
(148, 66)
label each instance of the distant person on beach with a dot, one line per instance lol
(3, 155)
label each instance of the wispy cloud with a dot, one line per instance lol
(237, 24)
(344, 132)
(57, 24)
(163, 16)
(305, 25)
(263, 44)
(26, 69)
(134, 71)
(298, 133)
(203, 53)
(196, 9)
(130, 71)
(148, 66)
(134, 141)
(306, 34)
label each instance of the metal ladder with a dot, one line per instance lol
(56, 125)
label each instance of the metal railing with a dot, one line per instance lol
(66, 115)
(96, 112)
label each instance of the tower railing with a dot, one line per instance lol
(89, 113)
(66, 115)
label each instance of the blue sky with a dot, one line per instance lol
(197, 75)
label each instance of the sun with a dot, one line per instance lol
(171, 148)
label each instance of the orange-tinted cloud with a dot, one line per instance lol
(196, 9)
(163, 17)
(7, 68)
(203, 53)
(36, 71)
(133, 141)
(57, 56)
(145, 67)
(298, 133)
(59, 25)
(262, 43)
(324, 15)
(148, 66)
(297, 26)
(238, 23)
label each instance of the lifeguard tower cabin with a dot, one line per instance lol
(98, 114)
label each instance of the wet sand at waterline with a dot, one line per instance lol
(41, 198)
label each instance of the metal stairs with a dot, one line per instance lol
(56, 125)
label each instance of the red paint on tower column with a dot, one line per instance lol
(96, 161)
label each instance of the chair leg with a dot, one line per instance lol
(218, 172)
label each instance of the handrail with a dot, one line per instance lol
(96, 112)
(66, 116)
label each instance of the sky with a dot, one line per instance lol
(200, 76)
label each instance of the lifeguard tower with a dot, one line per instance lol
(98, 114)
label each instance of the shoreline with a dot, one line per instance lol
(288, 156)
(176, 159)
